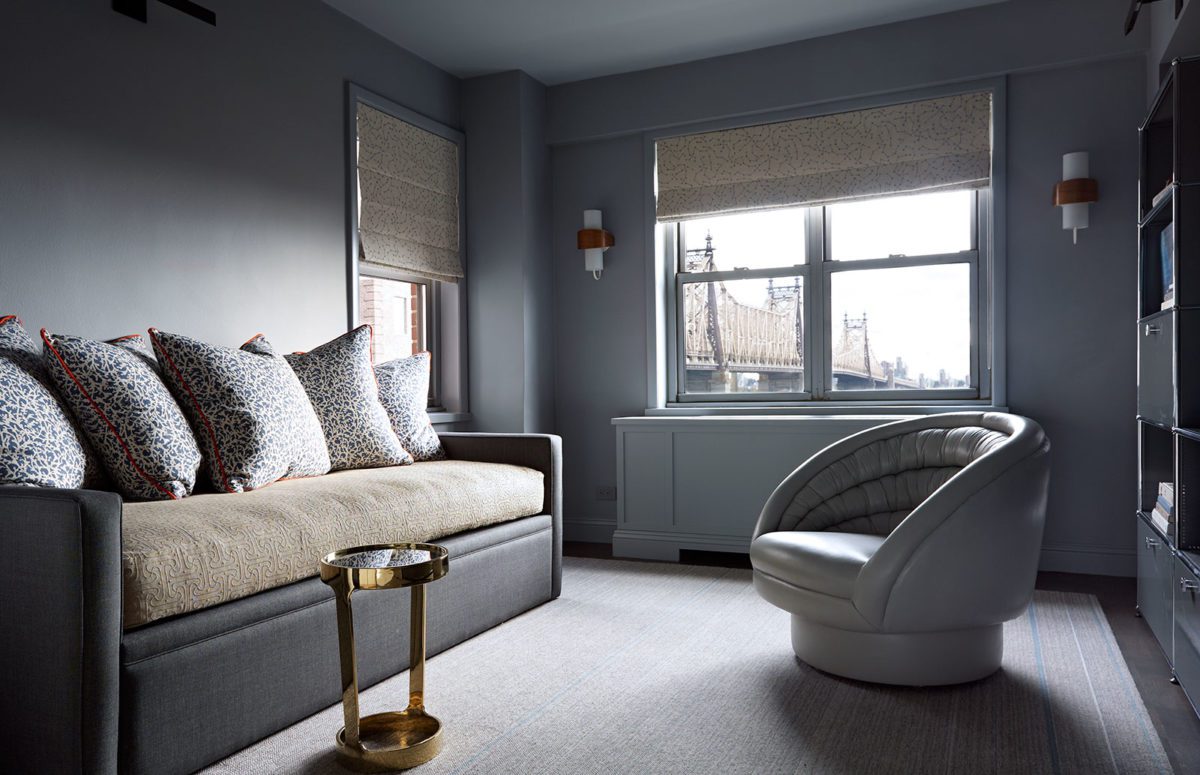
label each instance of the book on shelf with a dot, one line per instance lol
(1160, 521)
(1163, 513)
(1166, 255)
(1161, 195)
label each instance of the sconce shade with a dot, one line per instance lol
(1076, 191)
(591, 239)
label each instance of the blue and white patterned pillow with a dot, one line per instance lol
(404, 392)
(340, 382)
(252, 417)
(136, 344)
(127, 413)
(40, 445)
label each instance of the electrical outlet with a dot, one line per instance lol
(606, 493)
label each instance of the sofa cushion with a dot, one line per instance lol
(404, 391)
(40, 443)
(340, 381)
(251, 415)
(208, 549)
(128, 414)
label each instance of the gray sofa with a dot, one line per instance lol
(80, 692)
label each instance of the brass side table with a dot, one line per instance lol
(400, 739)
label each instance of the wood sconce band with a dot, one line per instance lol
(1076, 191)
(589, 239)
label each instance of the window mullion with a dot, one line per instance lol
(815, 359)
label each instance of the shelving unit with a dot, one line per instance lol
(1169, 369)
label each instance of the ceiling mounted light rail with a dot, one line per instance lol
(136, 9)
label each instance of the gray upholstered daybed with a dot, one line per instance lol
(161, 637)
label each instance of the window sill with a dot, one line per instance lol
(822, 408)
(448, 418)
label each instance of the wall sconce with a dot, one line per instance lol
(1075, 192)
(593, 240)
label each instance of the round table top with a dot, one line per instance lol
(385, 566)
(391, 557)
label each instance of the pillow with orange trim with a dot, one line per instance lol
(404, 391)
(127, 413)
(40, 443)
(136, 344)
(340, 382)
(252, 417)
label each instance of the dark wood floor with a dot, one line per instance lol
(1178, 726)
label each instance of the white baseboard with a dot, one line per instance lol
(1085, 558)
(591, 531)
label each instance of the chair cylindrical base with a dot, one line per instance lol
(905, 659)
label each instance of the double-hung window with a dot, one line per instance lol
(832, 260)
(406, 237)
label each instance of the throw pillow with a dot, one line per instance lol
(404, 391)
(340, 382)
(136, 344)
(252, 417)
(40, 445)
(127, 414)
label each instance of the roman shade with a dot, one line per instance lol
(408, 217)
(927, 145)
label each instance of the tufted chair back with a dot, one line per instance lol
(873, 488)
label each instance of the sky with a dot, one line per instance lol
(921, 314)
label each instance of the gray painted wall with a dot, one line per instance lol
(183, 176)
(1169, 37)
(600, 325)
(511, 349)
(1072, 341)
(1009, 37)
(1071, 347)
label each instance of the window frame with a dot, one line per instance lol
(664, 286)
(430, 324)
(445, 316)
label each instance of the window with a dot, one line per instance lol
(837, 256)
(405, 179)
(398, 312)
(875, 299)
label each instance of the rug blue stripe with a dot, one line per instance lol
(541, 710)
(1119, 666)
(1048, 706)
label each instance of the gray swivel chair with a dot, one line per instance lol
(901, 551)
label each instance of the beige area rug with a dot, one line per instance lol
(653, 668)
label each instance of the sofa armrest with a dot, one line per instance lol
(60, 628)
(539, 451)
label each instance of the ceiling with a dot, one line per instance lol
(557, 41)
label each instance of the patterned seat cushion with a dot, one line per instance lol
(340, 382)
(404, 391)
(40, 444)
(251, 415)
(208, 549)
(127, 413)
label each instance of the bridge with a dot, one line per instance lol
(732, 344)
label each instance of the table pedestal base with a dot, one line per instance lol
(392, 741)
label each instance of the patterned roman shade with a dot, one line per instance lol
(928, 145)
(407, 197)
